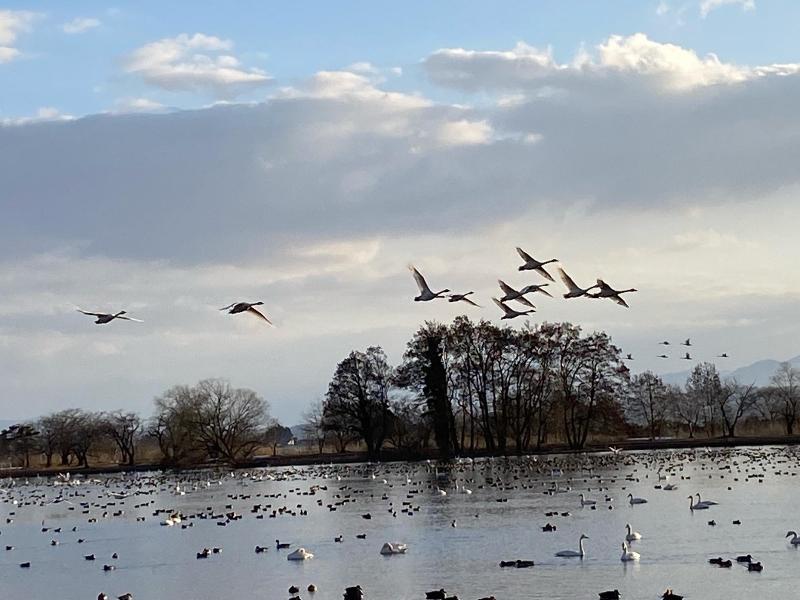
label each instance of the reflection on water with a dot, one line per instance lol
(456, 540)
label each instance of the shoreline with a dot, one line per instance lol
(391, 455)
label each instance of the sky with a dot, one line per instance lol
(169, 160)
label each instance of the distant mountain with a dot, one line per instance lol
(759, 372)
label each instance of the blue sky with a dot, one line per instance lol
(171, 158)
(81, 74)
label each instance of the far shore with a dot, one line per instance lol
(393, 455)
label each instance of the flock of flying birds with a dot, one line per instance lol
(510, 294)
(573, 290)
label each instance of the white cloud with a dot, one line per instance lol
(196, 62)
(80, 25)
(138, 105)
(629, 61)
(464, 132)
(707, 6)
(45, 113)
(12, 23)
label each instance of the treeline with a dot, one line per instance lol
(460, 388)
(210, 421)
(468, 386)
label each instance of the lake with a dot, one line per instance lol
(501, 519)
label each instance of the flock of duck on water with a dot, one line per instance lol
(101, 500)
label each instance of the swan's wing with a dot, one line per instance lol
(525, 301)
(91, 314)
(568, 281)
(258, 313)
(421, 283)
(619, 300)
(503, 307)
(505, 287)
(231, 305)
(130, 319)
(468, 301)
(525, 256)
(545, 274)
(604, 287)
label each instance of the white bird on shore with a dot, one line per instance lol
(425, 293)
(632, 535)
(103, 318)
(572, 553)
(510, 313)
(585, 502)
(573, 291)
(795, 541)
(531, 264)
(628, 555)
(248, 307)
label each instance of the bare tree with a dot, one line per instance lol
(704, 388)
(86, 433)
(314, 421)
(646, 402)
(685, 409)
(123, 429)
(277, 435)
(734, 402)
(172, 426)
(229, 421)
(786, 385)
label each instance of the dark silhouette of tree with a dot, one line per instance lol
(424, 372)
(358, 397)
(314, 422)
(785, 395)
(21, 438)
(647, 402)
(277, 435)
(123, 429)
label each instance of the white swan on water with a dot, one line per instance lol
(795, 541)
(585, 502)
(572, 553)
(705, 502)
(390, 548)
(628, 555)
(634, 500)
(300, 554)
(693, 506)
(632, 535)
